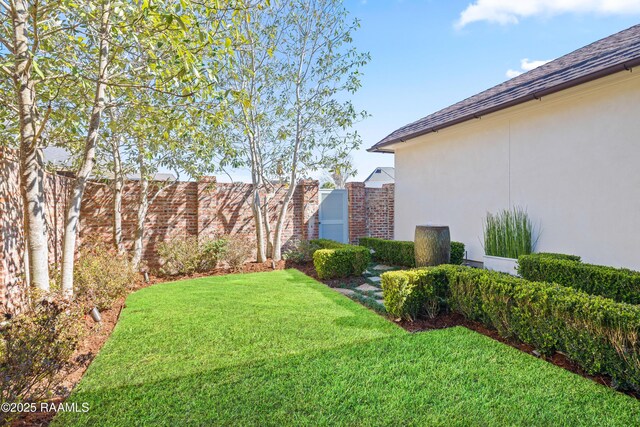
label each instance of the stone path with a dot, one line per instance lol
(367, 287)
(372, 289)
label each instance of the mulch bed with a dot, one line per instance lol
(448, 320)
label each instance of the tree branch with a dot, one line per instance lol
(6, 71)
(42, 124)
(6, 44)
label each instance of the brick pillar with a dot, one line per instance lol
(390, 188)
(357, 211)
(310, 205)
(207, 207)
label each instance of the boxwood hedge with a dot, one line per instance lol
(399, 252)
(336, 259)
(601, 335)
(618, 284)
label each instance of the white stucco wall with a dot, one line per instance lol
(572, 159)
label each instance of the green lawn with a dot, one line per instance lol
(282, 349)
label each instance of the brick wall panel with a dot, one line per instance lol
(205, 209)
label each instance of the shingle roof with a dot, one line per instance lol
(607, 56)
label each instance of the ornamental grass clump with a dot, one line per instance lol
(509, 233)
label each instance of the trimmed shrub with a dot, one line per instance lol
(343, 261)
(559, 256)
(413, 293)
(327, 244)
(399, 252)
(101, 276)
(394, 252)
(616, 283)
(457, 253)
(599, 334)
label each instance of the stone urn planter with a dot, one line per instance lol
(432, 245)
(503, 265)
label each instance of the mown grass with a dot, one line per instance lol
(282, 349)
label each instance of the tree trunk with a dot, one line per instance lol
(277, 234)
(267, 226)
(256, 207)
(432, 245)
(31, 170)
(143, 207)
(118, 185)
(256, 204)
(89, 156)
(35, 228)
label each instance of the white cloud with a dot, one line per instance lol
(513, 73)
(511, 11)
(526, 65)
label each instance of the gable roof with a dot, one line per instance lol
(612, 54)
(386, 173)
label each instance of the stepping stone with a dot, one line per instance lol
(382, 267)
(379, 294)
(367, 287)
(375, 279)
(380, 301)
(345, 291)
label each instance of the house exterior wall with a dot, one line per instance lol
(571, 159)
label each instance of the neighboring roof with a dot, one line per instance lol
(612, 54)
(157, 177)
(386, 174)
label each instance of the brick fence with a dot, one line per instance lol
(204, 208)
(56, 190)
(198, 209)
(370, 211)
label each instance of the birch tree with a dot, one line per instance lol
(155, 49)
(252, 80)
(154, 134)
(103, 36)
(66, 61)
(28, 33)
(321, 69)
(294, 78)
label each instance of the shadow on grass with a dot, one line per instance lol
(446, 377)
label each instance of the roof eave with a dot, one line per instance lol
(625, 66)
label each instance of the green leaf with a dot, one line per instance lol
(36, 68)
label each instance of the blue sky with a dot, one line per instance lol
(422, 61)
(424, 58)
